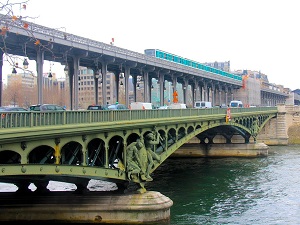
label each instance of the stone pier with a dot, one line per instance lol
(222, 150)
(89, 208)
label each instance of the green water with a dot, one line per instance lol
(233, 190)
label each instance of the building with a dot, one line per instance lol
(258, 91)
(87, 88)
(224, 66)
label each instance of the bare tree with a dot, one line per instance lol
(14, 93)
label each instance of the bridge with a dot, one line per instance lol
(122, 146)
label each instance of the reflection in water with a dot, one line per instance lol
(223, 190)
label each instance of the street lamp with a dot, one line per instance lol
(66, 70)
(97, 74)
(14, 71)
(25, 64)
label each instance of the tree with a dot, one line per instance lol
(14, 93)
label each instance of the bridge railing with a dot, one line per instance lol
(34, 119)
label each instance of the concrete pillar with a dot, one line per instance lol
(76, 60)
(147, 86)
(281, 128)
(70, 75)
(185, 91)
(161, 79)
(117, 81)
(126, 79)
(104, 82)
(174, 84)
(39, 65)
(1, 83)
(134, 81)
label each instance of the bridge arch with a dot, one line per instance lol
(71, 153)
(43, 154)
(9, 157)
(96, 153)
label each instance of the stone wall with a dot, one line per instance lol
(293, 123)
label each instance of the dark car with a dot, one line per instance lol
(46, 107)
(14, 109)
(11, 119)
(117, 107)
(96, 107)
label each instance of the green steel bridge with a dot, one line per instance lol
(122, 146)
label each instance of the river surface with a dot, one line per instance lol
(224, 190)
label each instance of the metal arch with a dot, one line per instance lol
(269, 117)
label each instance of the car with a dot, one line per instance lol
(163, 107)
(117, 107)
(46, 107)
(97, 107)
(140, 105)
(236, 104)
(202, 105)
(14, 109)
(9, 120)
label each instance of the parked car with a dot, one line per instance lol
(14, 109)
(96, 107)
(236, 104)
(177, 106)
(141, 105)
(46, 107)
(11, 119)
(163, 107)
(117, 107)
(202, 105)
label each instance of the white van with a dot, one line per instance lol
(202, 105)
(177, 106)
(236, 104)
(140, 105)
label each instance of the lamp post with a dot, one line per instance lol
(96, 77)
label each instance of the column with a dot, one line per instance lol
(76, 60)
(161, 79)
(147, 86)
(1, 83)
(104, 82)
(126, 83)
(39, 64)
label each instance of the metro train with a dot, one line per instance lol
(186, 62)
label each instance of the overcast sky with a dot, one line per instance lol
(261, 35)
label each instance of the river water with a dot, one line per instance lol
(224, 190)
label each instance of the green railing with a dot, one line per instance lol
(34, 119)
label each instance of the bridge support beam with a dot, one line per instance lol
(93, 207)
